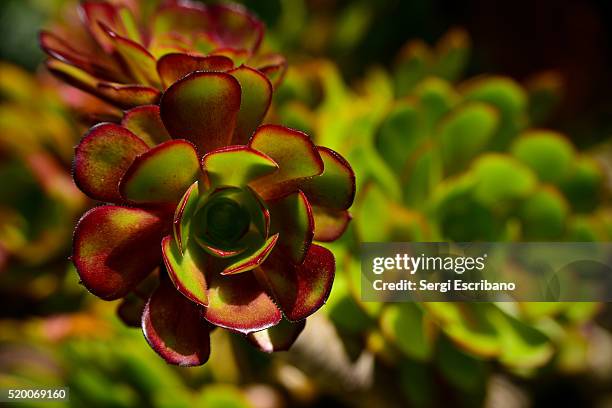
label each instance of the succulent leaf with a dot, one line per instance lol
(161, 174)
(115, 248)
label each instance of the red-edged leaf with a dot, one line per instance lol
(291, 217)
(127, 96)
(122, 96)
(335, 187)
(97, 14)
(202, 107)
(186, 270)
(130, 310)
(174, 66)
(278, 338)
(115, 248)
(103, 157)
(62, 50)
(250, 260)
(238, 56)
(273, 66)
(161, 174)
(329, 224)
(145, 122)
(236, 166)
(180, 20)
(183, 214)
(174, 328)
(299, 290)
(235, 27)
(239, 303)
(140, 63)
(255, 101)
(295, 154)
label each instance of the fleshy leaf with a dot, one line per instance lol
(186, 270)
(140, 63)
(238, 56)
(162, 174)
(123, 96)
(236, 166)
(335, 187)
(235, 27)
(291, 216)
(202, 107)
(103, 157)
(295, 154)
(278, 338)
(251, 259)
(329, 224)
(183, 213)
(97, 15)
(115, 248)
(299, 290)
(144, 122)
(174, 329)
(127, 96)
(130, 310)
(174, 66)
(239, 303)
(256, 99)
(273, 66)
(64, 52)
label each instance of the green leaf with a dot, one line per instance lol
(103, 157)
(505, 95)
(115, 248)
(407, 327)
(140, 63)
(174, 328)
(499, 179)
(145, 122)
(254, 103)
(297, 158)
(465, 133)
(291, 217)
(543, 215)
(162, 174)
(203, 108)
(547, 153)
(452, 54)
(335, 187)
(238, 303)
(299, 290)
(174, 66)
(186, 270)
(400, 135)
(183, 214)
(236, 166)
(251, 259)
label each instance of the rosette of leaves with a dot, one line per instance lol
(439, 161)
(39, 203)
(127, 53)
(232, 210)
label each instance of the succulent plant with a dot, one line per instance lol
(437, 161)
(127, 53)
(234, 228)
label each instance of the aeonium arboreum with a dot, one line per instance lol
(231, 222)
(127, 53)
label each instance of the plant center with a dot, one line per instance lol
(226, 220)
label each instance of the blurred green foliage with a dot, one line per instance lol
(439, 158)
(39, 203)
